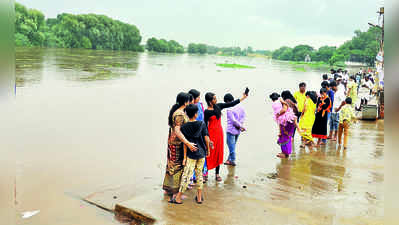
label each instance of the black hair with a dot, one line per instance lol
(191, 110)
(194, 93)
(191, 97)
(325, 76)
(274, 96)
(302, 84)
(333, 84)
(287, 95)
(209, 98)
(312, 95)
(325, 84)
(181, 99)
(348, 100)
(352, 77)
(323, 90)
(228, 98)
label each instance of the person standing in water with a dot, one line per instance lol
(235, 125)
(174, 168)
(319, 129)
(212, 117)
(352, 90)
(307, 118)
(287, 122)
(300, 98)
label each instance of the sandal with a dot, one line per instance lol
(196, 200)
(229, 163)
(218, 178)
(173, 201)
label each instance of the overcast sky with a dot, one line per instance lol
(262, 24)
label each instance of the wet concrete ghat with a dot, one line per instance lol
(315, 186)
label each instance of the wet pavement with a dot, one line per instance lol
(79, 134)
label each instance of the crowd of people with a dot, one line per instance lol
(196, 137)
(311, 113)
(196, 141)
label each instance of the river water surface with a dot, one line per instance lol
(95, 120)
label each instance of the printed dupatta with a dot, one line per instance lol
(323, 103)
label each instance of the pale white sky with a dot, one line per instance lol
(262, 24)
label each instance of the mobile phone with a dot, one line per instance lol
(246, 91)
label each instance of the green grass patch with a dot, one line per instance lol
(300, 69)
(235, 66)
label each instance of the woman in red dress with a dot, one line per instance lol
(212, 117)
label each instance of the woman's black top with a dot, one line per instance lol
(217, 110)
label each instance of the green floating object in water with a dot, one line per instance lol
(235, 66)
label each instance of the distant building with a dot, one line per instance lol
(307, 58)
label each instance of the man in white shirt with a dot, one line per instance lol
(340, 85)
(364, 91)
(345, 77)
(339, 97)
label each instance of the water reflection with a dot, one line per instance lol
(28, 66)
(73, 65)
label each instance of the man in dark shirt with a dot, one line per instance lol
(195, 132)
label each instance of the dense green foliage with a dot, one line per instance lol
(264, 52)
(74, 31)
(208, 49)
(362, 48)
(163, 45)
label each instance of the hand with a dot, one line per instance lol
(192, 146)
(208, 154)
(184, 161)
(211, 144)
(170, 164)
(244, 96)
(279, 134)
(242, 129)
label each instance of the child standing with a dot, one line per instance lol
(196, 132)
(287, 121)
(346, 116)
(197, 97)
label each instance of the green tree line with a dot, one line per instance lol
(195, 48)
(363, 47)
(74, 31)
(163, 45)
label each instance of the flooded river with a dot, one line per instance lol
(89, 121)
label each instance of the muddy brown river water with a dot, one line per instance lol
(88, 121)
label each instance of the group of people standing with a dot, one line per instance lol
(196, 141)
(196, 137)
(311, 113)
